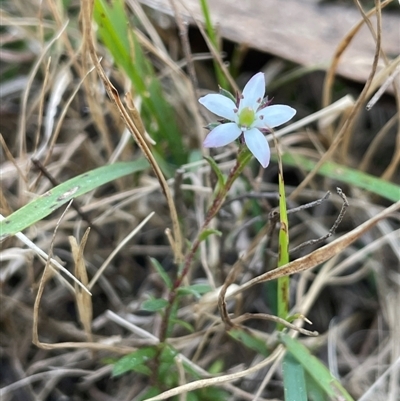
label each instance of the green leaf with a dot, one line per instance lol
(315, 368)
(207, 232)
(249, 341)
(163, 274)
(196, 289)
(294, 379)
(63, 193)
(151, 392)
(168, 354)
(184, 324)
(314, 390)
(135, 361)
(216, 367)
(227, 94)
(350, 176)
(221, 178)
(154, 305)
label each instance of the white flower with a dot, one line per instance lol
(250, 117)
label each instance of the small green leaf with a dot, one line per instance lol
(63, 193)
(211, 126)
(135, 361)
(154, 305)
(315, 368)
(151, 392)
(196, 289)
(221, 178)
(294, 382)
(207, 232)
(163, 274)
(227, 94)
(184, 324)
(168, 354)
(249, 341)
(216, 367)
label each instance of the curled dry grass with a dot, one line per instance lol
(55, 109)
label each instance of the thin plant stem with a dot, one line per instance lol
(283, 255)
(243, 158)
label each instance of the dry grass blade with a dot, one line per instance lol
(52, 262)
(83, 300)
(220, 379)
(388, 76)
(117, 249)
(87, 10)
(322, 254)
(47, 274)
(349, 123)
(59, 101)
(343, 45)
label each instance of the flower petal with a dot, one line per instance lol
(219, 105)
(253, 92)
(273, 116)
(222, 135)
(258, 145)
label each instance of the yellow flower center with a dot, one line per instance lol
(246, 117)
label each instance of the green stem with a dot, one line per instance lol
(243, 158)
(283, 255)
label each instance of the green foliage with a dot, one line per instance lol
(183, 324)
(314, 390)
(137, 361)
(151, 392)
(315, 368)
(154, 304)
(160, 270)
(227, 94)
(283, 255)
(347, 175)
(157, 114)
(167, 374)
(206, 233)
(220, 176)
(197, 290)
(294, 380)
(250, 341)
(63, 193)
(213, 39)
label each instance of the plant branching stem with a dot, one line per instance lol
(243, 158)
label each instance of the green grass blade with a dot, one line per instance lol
(316, 369)
(294, 380)
(249, 340)
(350, 176)
(157, 114)
(63, 193)
(223, 82)
(161, 271)
(283, 255)
(135, 360)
